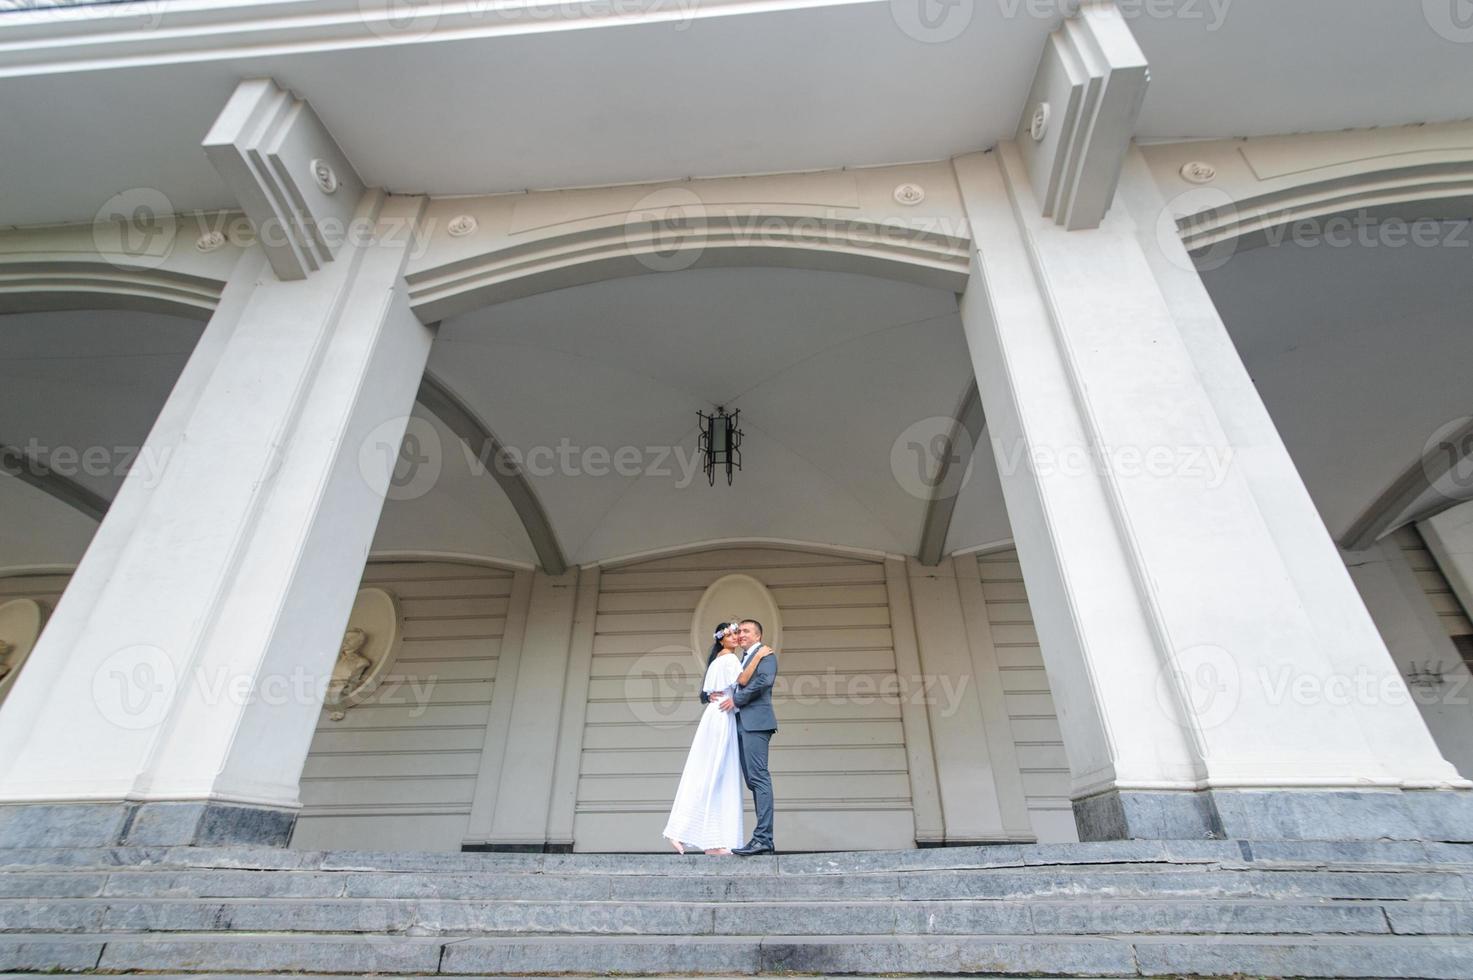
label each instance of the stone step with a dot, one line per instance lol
(1260, 854)
(441, 917)
(1000, 884)
(1155, 956)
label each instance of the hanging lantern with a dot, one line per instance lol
(720, 443)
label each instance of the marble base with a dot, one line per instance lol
(1432, 815)
(155, 824)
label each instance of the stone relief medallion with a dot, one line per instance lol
(369, 646)
(20, 626)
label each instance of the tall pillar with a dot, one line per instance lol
(515, 816)
(980, 787)
(1215, 671)
(175, 692)
(563, 807)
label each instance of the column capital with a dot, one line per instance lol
(1081, 113)
(290, 177)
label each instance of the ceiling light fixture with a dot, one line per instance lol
(720, 442)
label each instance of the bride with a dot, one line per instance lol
(708, 803)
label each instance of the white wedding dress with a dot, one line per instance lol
(708, 803)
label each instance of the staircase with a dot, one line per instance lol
(1116, 909)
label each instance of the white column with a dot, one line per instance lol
(1199, 629)
(915, 713)
(188, 660)
(1007, 775)
(498, 718)
(563, 808)
(525, 796)
(975, 804)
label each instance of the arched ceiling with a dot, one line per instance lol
(94, 380)
(1360, 350)
(828, 370)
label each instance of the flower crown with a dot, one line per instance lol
(731, 628)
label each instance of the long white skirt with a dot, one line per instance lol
(708, 803)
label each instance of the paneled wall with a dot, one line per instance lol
(1030, 706)
(1435, 586)
(839, 767)
(1426, 629)
(45, 589)
(399, 771)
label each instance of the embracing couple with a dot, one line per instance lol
(731, 741)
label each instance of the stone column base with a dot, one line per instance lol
(155, 824)
(1435, 815)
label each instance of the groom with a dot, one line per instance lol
(756, 725)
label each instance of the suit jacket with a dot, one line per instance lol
(755, 699)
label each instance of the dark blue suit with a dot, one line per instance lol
(756, 724)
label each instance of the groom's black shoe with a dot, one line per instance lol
(753, 847)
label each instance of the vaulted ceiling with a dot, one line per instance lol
(1359, 352)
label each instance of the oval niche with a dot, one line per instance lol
(735, 595)
(21, 621)
(369, 647)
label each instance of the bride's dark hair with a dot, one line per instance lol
(716, 645)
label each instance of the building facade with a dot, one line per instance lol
(1102, 474)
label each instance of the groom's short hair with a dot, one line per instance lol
(756, 624)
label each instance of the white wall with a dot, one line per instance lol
(840, 777)
(399, 771)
